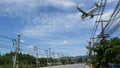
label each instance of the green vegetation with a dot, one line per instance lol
(107, 51)
(28, 61)
(25, 60)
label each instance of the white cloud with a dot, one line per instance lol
(107, 14)
(22, 41)
(58, 42)
(19, 8)
(29, 7)
(110, 1)
(29, 47)
(40, 24)
(34, 3)
(62, 3)
(66, 41)
(48, 24)
(37, 31)
(71, 51)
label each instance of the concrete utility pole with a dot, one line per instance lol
(89, 53)
(46, 52)
(18, 48)
(58, 56)
(53, 54)
(102, 35)
(62, 55)
(90, 45)
(50, 52)
(36, 52)
(14, 57)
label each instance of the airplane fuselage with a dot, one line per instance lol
(89, 13)
(86, 15)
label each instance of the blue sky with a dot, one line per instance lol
(54, 24)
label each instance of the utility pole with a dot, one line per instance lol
(49, 56)
(16, 43)
(89, 53)
(46, 52)
(102, 35)
(90, 45)
(53, 53)
(14, 57)
(58, 57)
(50, 52)
(18, 48)
(61, 55)
(36, 52)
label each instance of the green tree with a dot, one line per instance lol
(114, 50)
(79, 60)
(107, 51)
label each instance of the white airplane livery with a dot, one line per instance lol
(90, 12)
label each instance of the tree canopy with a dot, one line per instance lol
(106, 51)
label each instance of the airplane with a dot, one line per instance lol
(89, 13)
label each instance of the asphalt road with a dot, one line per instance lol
(82, 65)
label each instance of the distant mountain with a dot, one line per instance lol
(77, 58)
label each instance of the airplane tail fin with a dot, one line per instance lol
(97, 5)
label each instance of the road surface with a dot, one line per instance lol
(82, 65)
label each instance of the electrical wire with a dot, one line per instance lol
(98, 19)
(5, 47)
(111, 18)
(96, 24)
(6, 37)
(114, 22)
(5, 41)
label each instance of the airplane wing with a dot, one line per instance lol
(81, 10)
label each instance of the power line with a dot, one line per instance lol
(5, 47)
(98, 19)
(114, 22)
(6, 37)
(112, 16)
(96, 24)
(5, 41)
